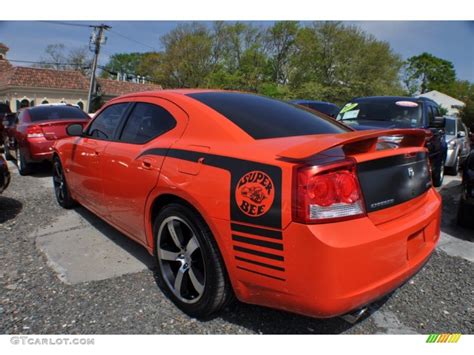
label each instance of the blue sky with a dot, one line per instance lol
(451, 40)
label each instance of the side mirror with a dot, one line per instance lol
(438, 122)
(461, 134)
(74, 130)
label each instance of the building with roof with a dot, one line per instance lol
(24, 86)
(449, 103)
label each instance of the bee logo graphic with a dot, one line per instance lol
(255, 193)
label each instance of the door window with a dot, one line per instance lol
(147, 121)
(106, 123)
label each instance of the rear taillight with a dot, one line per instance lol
(327, 193)
(34, 132)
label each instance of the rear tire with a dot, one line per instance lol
(23, 167)
(6, 151)
(185, 248)
(464, 217)
(61, 189)
(438, 176)
(454, 170)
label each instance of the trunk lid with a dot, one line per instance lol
(56, 129)
(388, 176)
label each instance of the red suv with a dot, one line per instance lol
(30, 138)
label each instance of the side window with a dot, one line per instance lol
(461, 127)
(105, 124)
(431, 114)
(436, 112)
(147, 121)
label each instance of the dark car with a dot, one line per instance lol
(328, 108)
(466, 205)
(386, 112)
(4, 174)
(31, 136)
(4, 110)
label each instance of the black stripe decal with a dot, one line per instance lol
(237, 168)
(260, 263)
(259, 253)
(259, 242)
(260, 273)
(256, 231)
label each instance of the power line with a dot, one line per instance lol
(133, 40)
(67, 23)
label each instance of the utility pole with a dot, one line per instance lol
(96, 40)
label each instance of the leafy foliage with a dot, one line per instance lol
(426, 72)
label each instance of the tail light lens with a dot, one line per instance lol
(327, 193)
(34, 132)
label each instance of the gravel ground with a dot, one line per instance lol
(34, 301)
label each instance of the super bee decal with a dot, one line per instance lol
(254, 193)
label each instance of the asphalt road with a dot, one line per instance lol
(69, 272)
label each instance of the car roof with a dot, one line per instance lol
(392, 98)
(311, 102)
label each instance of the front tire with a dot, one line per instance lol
(190, 268)
(61, 189)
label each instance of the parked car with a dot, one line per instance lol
(4, 175)
(327, 108)
(466, 205)
(388, 112)
(4, 110)
(30, 138)
(459, 144)
(236, 193)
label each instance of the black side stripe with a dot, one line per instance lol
(260, 264)
(259, 253)
(260, 273)
(259, 242)
(257, 231)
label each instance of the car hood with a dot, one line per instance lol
(362, 125)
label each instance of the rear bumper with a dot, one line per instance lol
(39, 149)
(331, 269)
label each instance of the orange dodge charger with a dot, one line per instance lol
(239, 194)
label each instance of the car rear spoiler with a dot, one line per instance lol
(353, 142)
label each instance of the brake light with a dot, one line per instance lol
(34, 132)
(327, 193)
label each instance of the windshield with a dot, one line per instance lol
(404, 113)
(450, 128)
(46, 113)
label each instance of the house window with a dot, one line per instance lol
(81, 105)
(32, 103)
(44, 102)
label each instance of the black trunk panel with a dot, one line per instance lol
(393, 180)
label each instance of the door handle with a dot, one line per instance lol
(147, 164)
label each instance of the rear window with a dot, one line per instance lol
(402, 113)
(262, 117)
(47, 113)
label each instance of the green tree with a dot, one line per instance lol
(186, 60)
(124, 63)
(280, 45)
(339, 62)
(426, 72)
